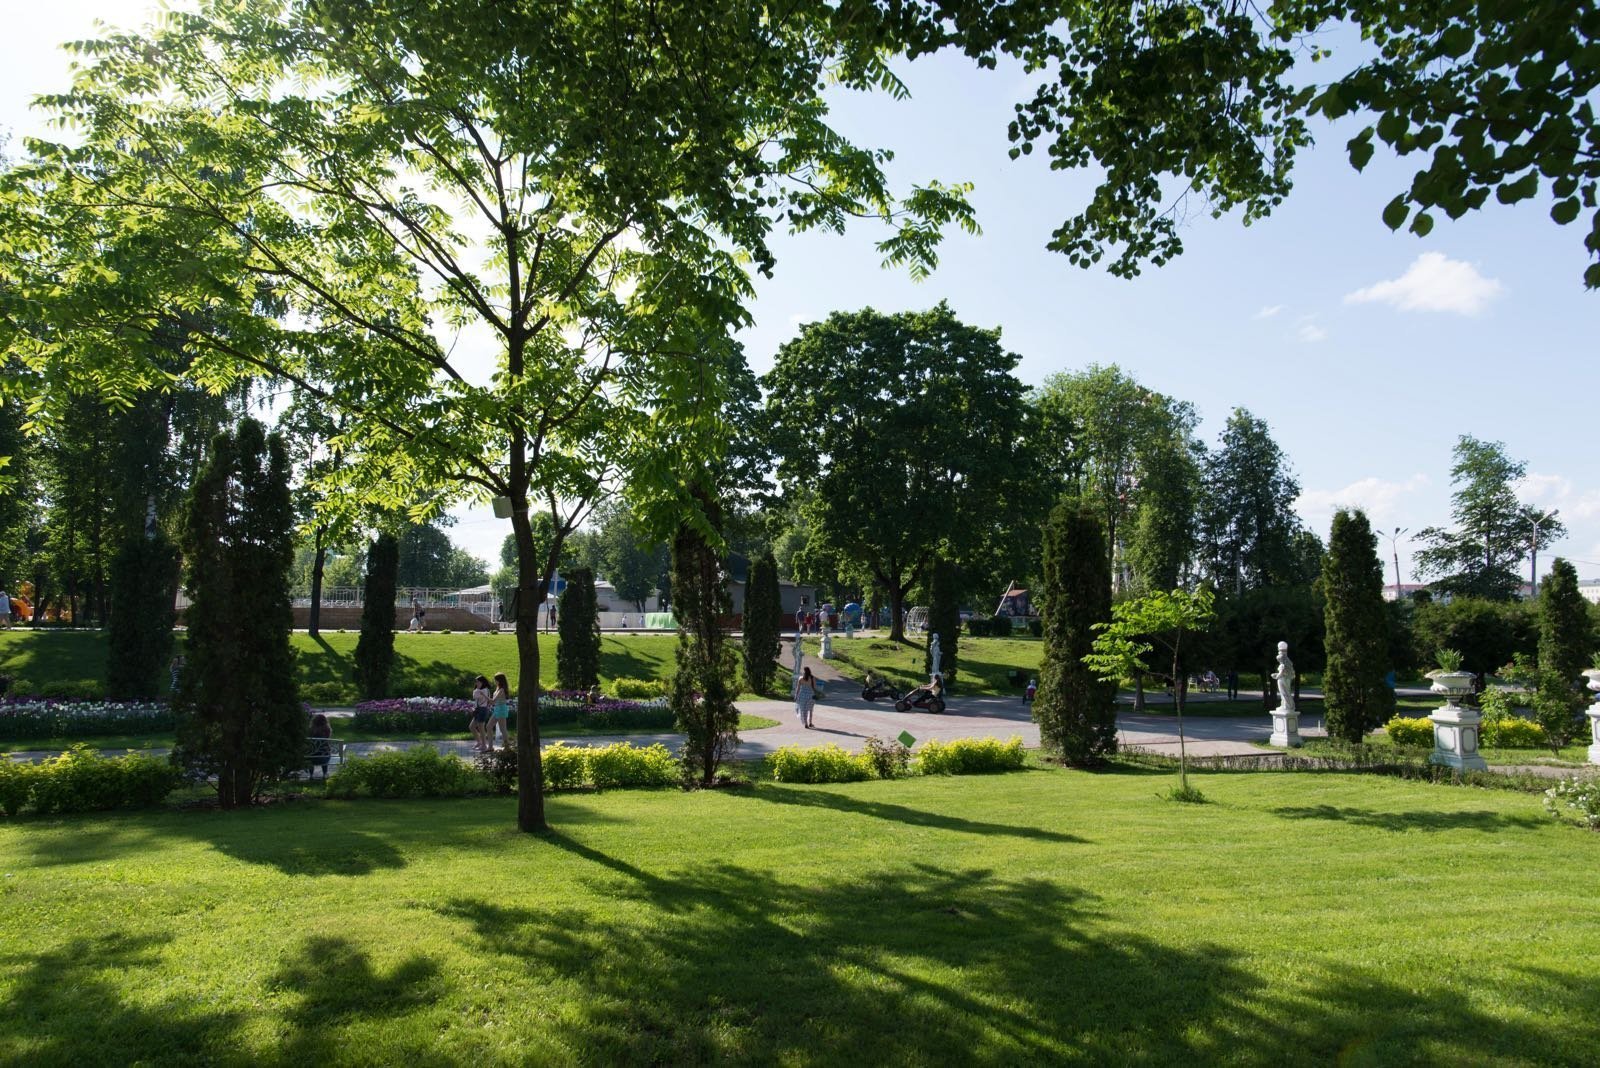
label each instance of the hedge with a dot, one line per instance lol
(971, 756)
(81, 780)
(1505, 732)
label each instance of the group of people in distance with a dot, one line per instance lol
(491, 713)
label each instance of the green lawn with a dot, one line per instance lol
(1576, 755)
(981, 666)
(1043, 916)
(164, 741)
(429, 663)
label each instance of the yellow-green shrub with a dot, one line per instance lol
(1410, 732)
(970, 756)
(824, 763)
(623, 765)
(1511, 732)
(629, 689)
(565, 766)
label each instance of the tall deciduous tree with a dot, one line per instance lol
(634, 563)
(1073, 707)
(331, 183)
(1247, 517)
(702, 691)
(578, 633)
(903, 433)
(375, 647)
(1493, 532)
(238, 709)
(1357, 696)
(763, 623)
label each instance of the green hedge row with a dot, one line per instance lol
(1508, 732)
(81, 780)
(422, 771)
(888, 760)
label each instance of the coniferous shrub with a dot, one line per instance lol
(763, 623)
(578, 633)
(144, 576)
(238, 714)
(375, 647)
(944, 619)
(703, 687)
(1357, 695)
(1566, 639)
(1074, 709)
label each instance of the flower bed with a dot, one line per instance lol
(49, 717)
(570, 708)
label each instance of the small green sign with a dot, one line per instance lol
(906, 739)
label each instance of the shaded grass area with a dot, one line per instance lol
(1036, 917)
(982, 663)
(164, 741)
(1572, 755)
(425, 664)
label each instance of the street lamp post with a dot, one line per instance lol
(1533, 551)
(1394, 547)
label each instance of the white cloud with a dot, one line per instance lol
(1269, 311)
(1311, 333)
(1383, 500)
(1433, 282)
(1559, 491)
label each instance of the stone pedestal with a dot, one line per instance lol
(1285, 728)
(827, 646)
(1455, 727)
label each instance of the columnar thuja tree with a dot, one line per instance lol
(323, 192)
(238, 710)
(1074, 708)
(1356, 693)
(702, 689)
(375, 647)
(578, 633)
(144, 576)
(1566, 637)
(763, 623)
(944, 619)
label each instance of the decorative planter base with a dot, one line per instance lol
(1285, 729)
(1594, 733)
(1455, 739)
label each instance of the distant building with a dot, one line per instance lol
(1407, 590)
(1590, 588)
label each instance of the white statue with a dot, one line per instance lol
(799, 656)
(1285, 677)
(934, 657)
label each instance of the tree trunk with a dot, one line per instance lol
(897, 622)
(530, 594)
(314, 614)
(1138, 691)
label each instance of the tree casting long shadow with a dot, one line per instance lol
(913, 817)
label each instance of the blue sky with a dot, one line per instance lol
(1368, 352)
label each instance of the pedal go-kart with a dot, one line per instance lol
(876, 688)
(922, 698)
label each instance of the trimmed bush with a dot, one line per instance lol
(889, 760)
(81, 780)
(565, 766)
(971, 756)
(1511, 732)
(826, 763)
(621, 765)
(328, 693)
(627, 689)
(421, 771)
(1406, 731)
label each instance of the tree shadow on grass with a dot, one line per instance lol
(338, 990)
(912, 817)
(66, 1006)
(925, 965)
(1478, 820)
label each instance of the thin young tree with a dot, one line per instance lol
(1074, 708)
(1157, 621)
(763, 622)
(1566, 647)
(375, 648)
(239, 718)
(1357, 696)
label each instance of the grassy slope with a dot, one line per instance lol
(1043, 916)
(981, 667)
(425, 663)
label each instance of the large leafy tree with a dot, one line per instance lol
(1074, 708)
(1247, 517)
(634, 563)
(1357, 695)
(323, 192)
(902, 432)
(1493, 533)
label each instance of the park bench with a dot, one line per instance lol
(317, 748)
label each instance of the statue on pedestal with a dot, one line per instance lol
(1285, 718)
(1285, 677)
(935, 659)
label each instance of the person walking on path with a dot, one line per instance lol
(5, 608)
(482, 700)
(805, 697)
(501, 713)
(1233, 684)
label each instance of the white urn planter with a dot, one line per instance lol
(1455, 727)
(1593, 675)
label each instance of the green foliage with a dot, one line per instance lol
(1247, 529)
(1486, 633)
(627, 689)
(1357, 697)
(1410, 731)
(944, 619)
(937, 464)
(824, 763)
(81, 780)
(144, 577)
(1449, 660)
(1513, 732)
(990, 627)
(619, 548)
(763, 623)
(1566, 639)
(375, 651)
(421, 771)
(1577, 799)
(705, 684)
(1074, 708)
(425, 556)
(578, 633)
(238, 712)
(970, 756)
(328, 693)
(621, 766)
(565, 767)
(889, 760)
(1493, 532)
(1558, 705)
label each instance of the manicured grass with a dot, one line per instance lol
(982, 663)
(428, 663)
(164, 741)
(1573, 755)
(1042, 916)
